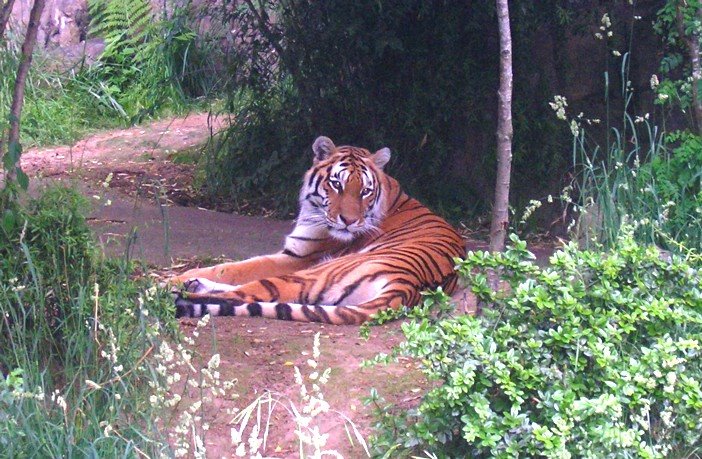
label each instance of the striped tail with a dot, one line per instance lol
(197, 305)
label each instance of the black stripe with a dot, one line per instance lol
(313, 239)
(290, 253)
(323, 312)
(227, 309)
(221, 301)
(283, 311)
(270, 288)
(254, 309)
(310, 315)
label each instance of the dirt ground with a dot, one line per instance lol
(146, 207)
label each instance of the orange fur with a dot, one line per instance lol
(360, 245)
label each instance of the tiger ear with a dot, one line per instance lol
(322, 148)
(381, 157)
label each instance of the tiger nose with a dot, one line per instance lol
(347, 221)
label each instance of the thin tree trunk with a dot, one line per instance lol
(500, 209)
(30, 40)
(693, 49)
(5, 13)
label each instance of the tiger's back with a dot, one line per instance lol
(360, 245)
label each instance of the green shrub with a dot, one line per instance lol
(75, 334)
(269, 179)
(52, 231)
(595, 355)
(676, 180)
(650, 181)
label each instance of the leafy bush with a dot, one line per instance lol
(75, 334)
(643, 178)
(676, 179)
(264, 180)
(595, 355)
(52, 231)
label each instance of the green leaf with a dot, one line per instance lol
(13, 154)
(22, 178)
(9, 220)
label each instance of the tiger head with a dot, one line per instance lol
(343, 189)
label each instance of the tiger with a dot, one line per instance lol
(360, 245)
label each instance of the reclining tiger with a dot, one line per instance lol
(360, 245)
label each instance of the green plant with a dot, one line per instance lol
(151, 62)
(50, 95)
(642, 177)
(595, 355)
(76, 333)
(679, 23)
(635, 174)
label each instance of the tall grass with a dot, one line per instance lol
(75, 339)
(58, 108)
(164, 68)
(641, 176)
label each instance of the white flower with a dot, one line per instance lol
(214, 361)
(574, 128)
(654, 81)
(559, 105)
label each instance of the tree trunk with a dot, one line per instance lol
(30, 39)
(500, 210)
(5, 12)
(693, 48)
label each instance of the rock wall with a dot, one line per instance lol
(64, 23)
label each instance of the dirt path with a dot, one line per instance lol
(136, 181)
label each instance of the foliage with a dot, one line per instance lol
(676, 178)
(261, 181)
(374, 74)
(68, 327)
(49, 97)
(150, 65)
(640, 176)
(146, 57)
(595, 355)
(152, 61)
(679, 23)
